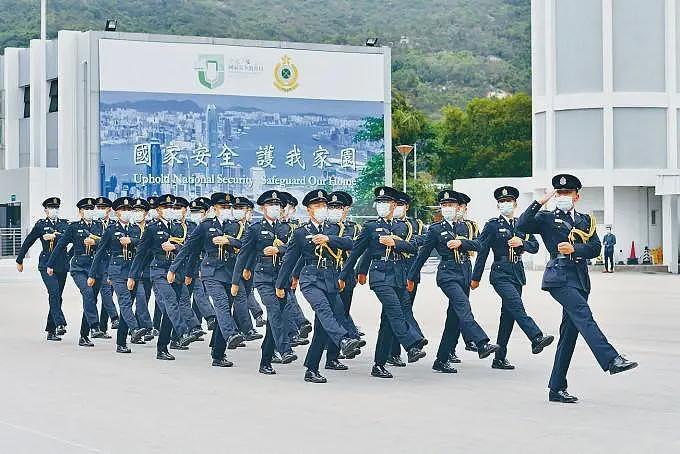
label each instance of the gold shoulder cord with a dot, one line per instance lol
(409, 235)
(339, 261)
(88, 249)
(584, 236)
(472, 233)
(177, 239)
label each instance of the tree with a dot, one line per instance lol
(370, 177)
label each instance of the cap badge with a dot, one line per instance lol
(505, 191)
(446, 195)
(126, 202)
(563, 181)
(382, 192)
(226, 197)
(335, 198)
(168, 199)
(274, 196)
(319, 194)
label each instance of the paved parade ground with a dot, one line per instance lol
(61, 398)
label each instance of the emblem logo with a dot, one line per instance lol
(335, 198)
(505, 191)
(563, 181)
(274, 196)
(319, 194)
(286, 74)
(226, 197)
(54, 200)
(446, 195)
(382, 192)
(126, 202)
(210, 70)
(168, 199)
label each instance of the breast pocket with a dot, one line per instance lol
(555, 274)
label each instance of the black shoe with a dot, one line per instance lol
(267, 370)
(621, 364)
(296, 341)
(562, 396)
(252, 335)
(349, 345)
(453, 358)
(85, 342)
(175, 345)
(305, 329)
(165, 356)
(155, 332)
(335, 365)
(53, 337)
(115, 323)
(501, 364)
(138, 342)
(183, 341)
(222, 362)
(361, 333)
(444, 367)
(487, 349)
(259, 321)
(136, 335)
(396, 361)
(199, 339)
(276, 358)
(241, 345)
(211, 321)
(414, 354)
(313, 376)
(105, 336)
(61, 330)
(96, 333)
(123, 349)
(288, 357)
(471, 347)
(540, 342)
(352, 355)
(148, 337)
(380, 372)
(234, 340)
(422, 343)
(188, 338)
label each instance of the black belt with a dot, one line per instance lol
(566, 258)
(456, 262)
(382, 258)
(464, 257)
(506, 259)
(225, 256)
(322, 264)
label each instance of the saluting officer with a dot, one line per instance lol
(384, 247)
(507, 274)
(571, 238)
(201, 304)
(449, 238)
(317, 246)
(108, 311)
(83, 235)
(156, 250)
(48, 230)
(117, 248)
(264, 245)
(216, 238)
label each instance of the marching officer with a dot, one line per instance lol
(386, 277)
(142, 314)
(48, 230)
(216, 238)
(450, 240)
(253, 306)
(83, 235)
(264, 245)
(571, 238)
(117, 247)
(151, 217)
(318, 247)
(201, 304)
(155, 249)
(507, 274)
(103, 211)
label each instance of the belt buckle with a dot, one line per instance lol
(323, 263)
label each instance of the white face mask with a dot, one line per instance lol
(196, 217)
(460, 213)
(273, 211)
(211, 213)
(399, 211)
(168, 214)
(564, 202)
(224, 215)
(89, 215)
(335, 215)
(321, 214)
(449, 213)
(152, 214)
(506, 208)
(126, 216)
(137, 216)
(238, 214)
(382, 208)
(53, 213)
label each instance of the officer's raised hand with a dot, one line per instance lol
(515, 241)
(387, 240)
(187, 280)
(280, 293)
(361, 279)
(271, 250)
(320, 238)
(130, 284)
(410, 285)
(565, 248)
(50, 271)
(474, 284)
(234, 289)
(90, 282)
(454, 244)
(547, 197)
(246, 274)
(168, 246)
(170, 277)
(20, 267)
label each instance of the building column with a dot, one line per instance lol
(671, 231)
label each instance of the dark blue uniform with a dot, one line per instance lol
(507, 276)
(150, 253)
(108, 310)
(55, 283)
(180, 232)
(350, 230)
(318, 283)
(75, 234)
(453, 277)
(471, 232)
(387, 276)
(293, 314)
(265, 271)
(567, 280)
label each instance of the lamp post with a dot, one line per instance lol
(404, 151)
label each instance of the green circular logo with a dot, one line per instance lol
(285, 73)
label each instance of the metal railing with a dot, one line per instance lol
(10, 241)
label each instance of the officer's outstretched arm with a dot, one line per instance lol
(484, 240)
(60, 248)
(360, 245)
(430, 243)
(528, 221)
(364, 264)
(337, 242)
(103, 247)
(31, 238)
(530, 244)
(246, 254)
(189, 246)
(590, 249)
(290, 259)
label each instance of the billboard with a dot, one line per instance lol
(193, 119)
